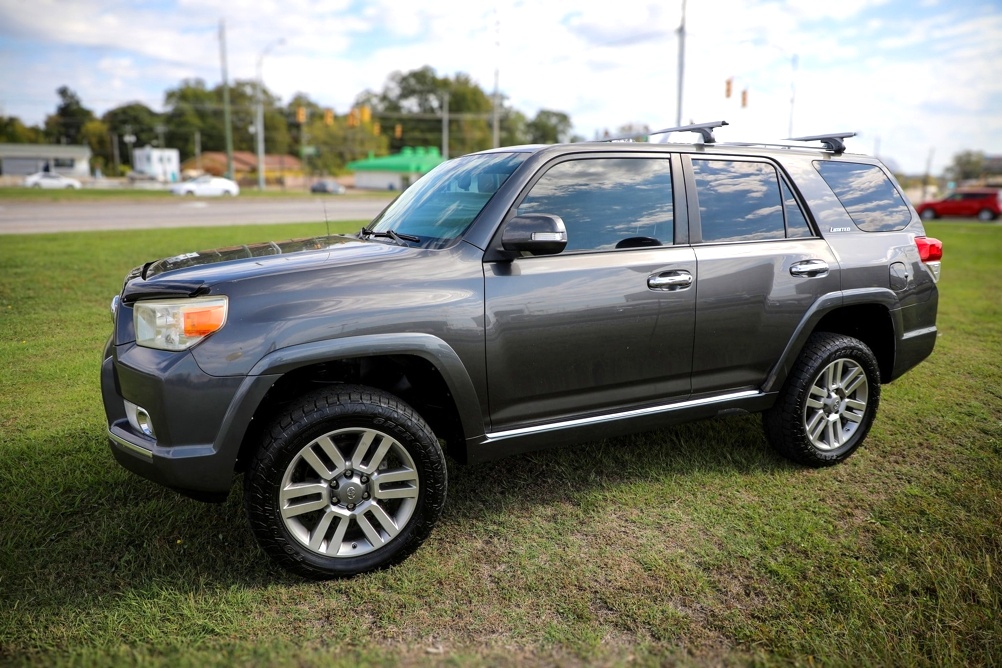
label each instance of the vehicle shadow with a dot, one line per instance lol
(112, 533)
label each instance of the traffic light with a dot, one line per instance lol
(366, 114)
(728, 86)
(328, 117)
(300, 114)
(376, 128)
(398, 131)
(744, 98)
(353, 118)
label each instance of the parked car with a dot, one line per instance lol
(206, 186)
(328, 186)
(51, 180)
(516, 299)
(981, 203)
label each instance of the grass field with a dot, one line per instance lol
(693, 545)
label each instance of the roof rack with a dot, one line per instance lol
(832, 141)
(704, 129)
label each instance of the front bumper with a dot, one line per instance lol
(199, 420)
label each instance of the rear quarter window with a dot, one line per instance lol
(867, 195)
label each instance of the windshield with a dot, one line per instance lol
(442, 204)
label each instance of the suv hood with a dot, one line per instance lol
(192, 273)
(235, 253)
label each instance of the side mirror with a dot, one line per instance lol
(535, 234)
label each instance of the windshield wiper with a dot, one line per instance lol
(389, 234)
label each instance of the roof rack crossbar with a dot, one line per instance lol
(704, 129)
(832, 141)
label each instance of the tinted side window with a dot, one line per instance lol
(608, 203)
(796, 222)
(738, 201)
(869, 197)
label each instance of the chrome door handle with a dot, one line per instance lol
(670, 280)
(810, 268)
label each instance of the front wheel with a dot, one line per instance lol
(828, 402)
(349, 480)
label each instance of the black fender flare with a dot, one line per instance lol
(830, 302)
(427, 346)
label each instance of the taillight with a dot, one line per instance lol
(930, 250)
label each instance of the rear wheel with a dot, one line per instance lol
(986, 215)
(928, 214)
(828, 403)
(349, 480)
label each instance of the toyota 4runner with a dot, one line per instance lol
(515, 299)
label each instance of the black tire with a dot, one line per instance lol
(340, 518)
(828, 403)
(986, 215)
(929, 214)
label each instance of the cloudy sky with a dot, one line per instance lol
(912, 77)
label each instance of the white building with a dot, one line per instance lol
(162, 164)
(23, 159)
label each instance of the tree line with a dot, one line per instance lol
(406, 112)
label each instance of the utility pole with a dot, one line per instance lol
(497, 76)
(198, 151)
(445, 125)
(227, 126)
(681, 66)
(260, 113)
(794, 60)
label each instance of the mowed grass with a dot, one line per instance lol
(693, 545)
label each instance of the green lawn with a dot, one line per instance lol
(693, 544)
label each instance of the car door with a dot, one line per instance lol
(607, 323)
(761, 267)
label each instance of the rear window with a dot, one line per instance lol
(869, 197)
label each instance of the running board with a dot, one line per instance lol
(499, 436)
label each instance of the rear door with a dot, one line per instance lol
(607, 324)
(761, 267)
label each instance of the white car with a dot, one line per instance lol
(51, 180)
(206, 186)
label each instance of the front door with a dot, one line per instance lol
(608, 323)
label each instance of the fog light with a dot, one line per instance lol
(140, 419)
(145, 423)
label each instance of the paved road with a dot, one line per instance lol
(38, 217)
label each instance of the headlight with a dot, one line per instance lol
(177, 324)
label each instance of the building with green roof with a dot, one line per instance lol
(395, 172)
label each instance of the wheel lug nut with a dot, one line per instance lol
(348, 473)
(365, 495)
(365, 479)
(351, 506)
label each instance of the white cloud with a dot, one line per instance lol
(913, 75)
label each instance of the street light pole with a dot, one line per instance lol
(260, 113)
(681, 66)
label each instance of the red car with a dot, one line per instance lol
(983, 203)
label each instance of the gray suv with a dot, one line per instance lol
(517, 299)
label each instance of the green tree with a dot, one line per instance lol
(65, 125)
(966, 166)
(135, 120)
(95, 134)
(549, 127)
(13, 131)
(415, 101)
(194, 109)
(335, 144)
